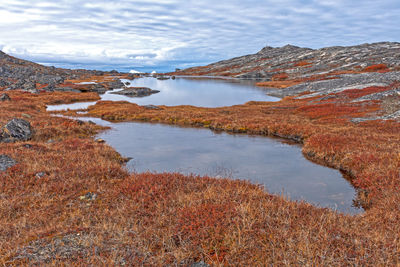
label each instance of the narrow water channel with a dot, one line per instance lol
(278, 166)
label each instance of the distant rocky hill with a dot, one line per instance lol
(25, 75)
(327, 74)
(290, 62)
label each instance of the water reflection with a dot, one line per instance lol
(196, 92)
(201, 92)
(279, 166)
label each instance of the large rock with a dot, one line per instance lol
(136, 91)
(6, 162)
(114, 84)
(163, 78)
(16, 130)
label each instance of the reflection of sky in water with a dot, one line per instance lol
(78, 105)
(202, 92)
(195, 92)
(280, 167)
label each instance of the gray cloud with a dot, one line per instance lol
(159, 32)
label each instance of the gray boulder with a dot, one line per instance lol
(66, 89)
(16, 130)
(6, 162)
(114, 84)
(99, 88)
(29, 86)
(136, 91)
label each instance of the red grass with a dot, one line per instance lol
(375, 68)
(302, 63)
(172, 219)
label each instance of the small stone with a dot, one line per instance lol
(126, 159)
(5, 97)
(89, 196)
(99, 140)
(26, 115)
(6, 162)
(40, 175)
(151, 107)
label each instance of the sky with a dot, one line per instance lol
(168, 34)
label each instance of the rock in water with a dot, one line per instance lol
(136, 91)
(6, 162)
(5, 97)
(16, 130)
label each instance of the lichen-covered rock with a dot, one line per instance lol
(6, 162)
(16, 130)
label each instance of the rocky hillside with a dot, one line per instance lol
(292, 62)
(369, 72)
(28, 76)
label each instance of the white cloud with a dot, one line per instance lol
(157, 32)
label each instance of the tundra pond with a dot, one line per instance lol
(273, 163)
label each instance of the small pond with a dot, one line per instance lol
(271, 162)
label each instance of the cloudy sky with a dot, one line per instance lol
(160, 33)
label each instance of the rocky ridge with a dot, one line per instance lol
(298, 62)
(324, 73)
(18, 74)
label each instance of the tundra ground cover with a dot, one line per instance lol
(69, 200)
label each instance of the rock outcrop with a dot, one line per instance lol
(18, 74)
(16, 130)
(289, 62)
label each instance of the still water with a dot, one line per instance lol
(278, 166)
(199, 92)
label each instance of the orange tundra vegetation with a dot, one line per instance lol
(172, 219)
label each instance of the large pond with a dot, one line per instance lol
(277, 165)
(199, 92)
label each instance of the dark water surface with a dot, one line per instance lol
(279, 166)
